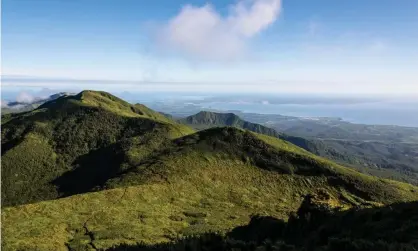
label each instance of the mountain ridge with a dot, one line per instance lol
(57, 134)
(320, 147)
(206, 118)
(92, 171)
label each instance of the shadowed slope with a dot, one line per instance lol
(209, 181)
(314, 227)
(187, 155)
(71, 133)
(156, 185)
(346, 153)
(204, 120)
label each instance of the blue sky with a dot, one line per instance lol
(322, 46)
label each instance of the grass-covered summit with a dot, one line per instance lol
(80, 132)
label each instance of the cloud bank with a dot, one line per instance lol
(4, 103)
(25, 98)
(202, 32)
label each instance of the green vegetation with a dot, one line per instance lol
(204, 120)
(210, 181)
(394, 160)
(80, 137)
(313, 227)
(381, 150)
(104, 173)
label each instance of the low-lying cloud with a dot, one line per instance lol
(24, 97)
(202, 32)
(4, 104)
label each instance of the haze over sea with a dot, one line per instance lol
(382, 113)
(380, 110)
(364, 110)
(306, 47)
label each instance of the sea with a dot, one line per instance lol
(382, 113)
(388, 110)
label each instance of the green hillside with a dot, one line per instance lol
(315, 226)
(82, 134)
(186, 154)
(382, 150)
(205, 119)
(369, 157)
(209, 181)
(105, 173)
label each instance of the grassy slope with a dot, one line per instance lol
(394, 161)
(314, 227)
(205, 120)
(209, 181)
(86, 133)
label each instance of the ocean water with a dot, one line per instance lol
(386, 113)
(388, 110)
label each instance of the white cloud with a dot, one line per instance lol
(204, 33)
(25, 97)
(4, 103)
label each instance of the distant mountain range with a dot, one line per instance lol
(205, 119)
(94, 172)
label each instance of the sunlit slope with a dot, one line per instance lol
(367, 157)
(188, 153)
(86, 132)
(212, 180)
